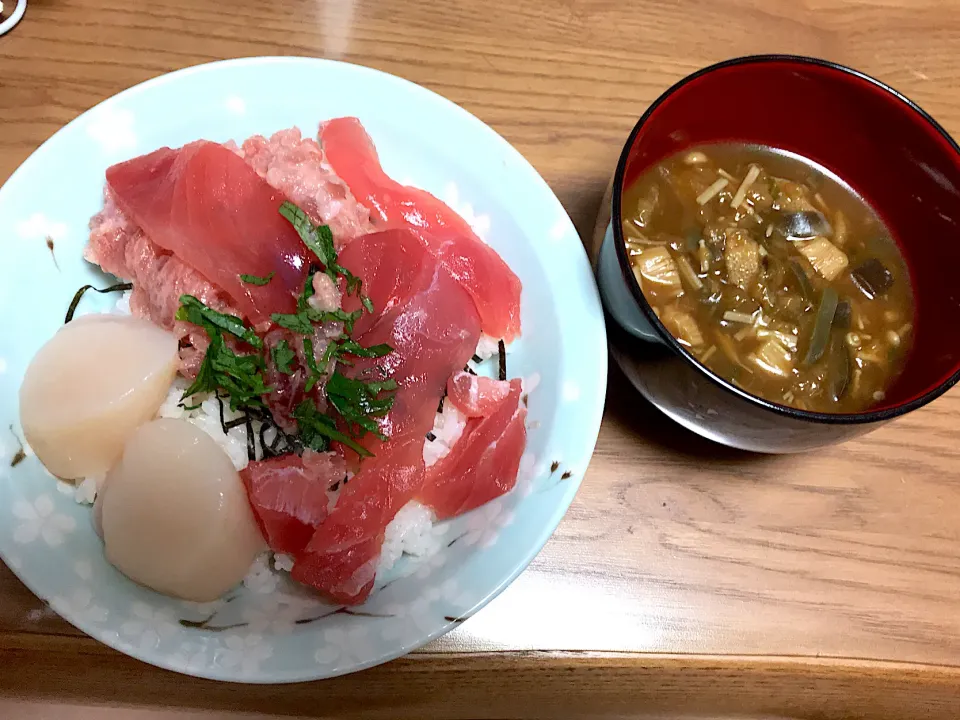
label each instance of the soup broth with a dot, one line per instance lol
(772, 273)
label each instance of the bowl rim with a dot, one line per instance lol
(869, 416)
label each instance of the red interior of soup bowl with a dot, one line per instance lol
(884, 146)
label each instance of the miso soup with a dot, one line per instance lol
(773, 273)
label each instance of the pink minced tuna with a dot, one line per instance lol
(293, 165)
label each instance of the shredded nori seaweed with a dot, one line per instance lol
(503, 360)
(119, 287)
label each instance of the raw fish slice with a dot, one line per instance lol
(289, 496)
(295, 166)
(493, 286)
(209, 208)
(484, 462)
(431, 323)
(422, 313)
(341, 558)
(476, 396)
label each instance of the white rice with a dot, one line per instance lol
(123, 304)
(283, 562)
(447, 428)
(86, 490)
(412, 532)
(487, 347)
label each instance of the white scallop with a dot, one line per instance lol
(90, 387)
(175, 515)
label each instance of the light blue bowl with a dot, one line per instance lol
(276, 634)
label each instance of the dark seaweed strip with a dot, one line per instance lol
(236, 422)
(468, 369)
(203, 625)
(223, 423)
(477, 359)
(251, 441)
(119, 287)
(431, 437)
(440, 406)
(503, 360)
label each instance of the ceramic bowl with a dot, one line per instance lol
(268, 631)
(888, 149)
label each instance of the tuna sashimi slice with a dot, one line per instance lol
(433, 327)
(422, 313)
(341, 558)
(484, 462)
(211, 210)
(289, 496)
(493, 286)
(476, 396)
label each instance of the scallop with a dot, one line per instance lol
(90, 387)
(174, 513)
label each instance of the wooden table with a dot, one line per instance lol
(686, 579)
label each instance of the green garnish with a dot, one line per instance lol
(297, 322)
(241, 376)
(283, 355)
(317, 430)
(194, 311)
(351, 347)
(315, 373)
(358, 401)
(302, 321)
(256, 279)
(319, 239)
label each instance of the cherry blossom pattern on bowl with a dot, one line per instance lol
(270, 630)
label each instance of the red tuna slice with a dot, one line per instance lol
(341, 558)
(493, 286)
(389, 264)
(476, 396)
(433, 327)
(484, 462)
(422, 313)
(288, 495)
(212, 211)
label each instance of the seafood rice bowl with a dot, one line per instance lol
(295, 401)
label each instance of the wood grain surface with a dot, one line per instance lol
(686, 579)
